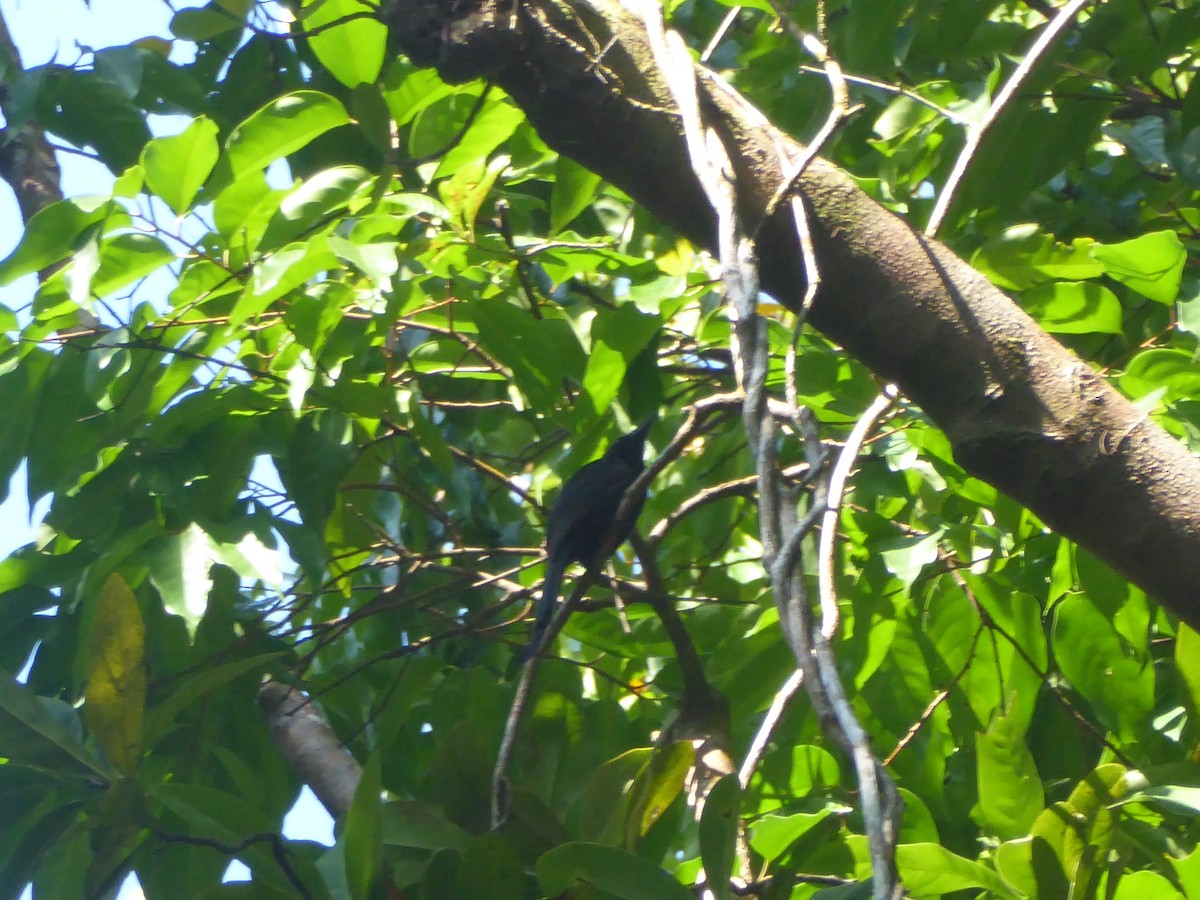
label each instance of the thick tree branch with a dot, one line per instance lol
(313, 750)
(1023, 413)
(27, 160)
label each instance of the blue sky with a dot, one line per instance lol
(46, 30)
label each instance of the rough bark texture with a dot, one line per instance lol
(1022, 412)
(27, 161)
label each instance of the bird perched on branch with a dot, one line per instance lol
(582, 527)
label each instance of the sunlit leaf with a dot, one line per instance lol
(1151, 264)
(346, 39)
(281, 127)
(177, 167)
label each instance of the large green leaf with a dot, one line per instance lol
(281, 127)
(313, 202)
(347, 40)
(1074, 307)
(1151, 264)
(1097, 664)
(51, 234)
(1010, 791)
(361, 838)
(931, 870)
(43, 733)
(617, 337)
(177, 167)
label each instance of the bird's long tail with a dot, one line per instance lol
(546, 606)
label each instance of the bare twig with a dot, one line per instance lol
(975, 135)
(896, 89)
(719, 34)
(783, 697)
(833, 503)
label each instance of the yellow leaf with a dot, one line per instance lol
(115, 697)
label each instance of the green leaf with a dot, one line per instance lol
(361, 837)
(1023, 256)
(91, 111)
(1145, 886)
(1178, 798)
(313, 202)
(115, 697)
(813, 768)
(618, 336)
(64, 871)
(281, 127)
(31, 735)
(606, 799)
(617, 872)
(177, 167)
(280, 273)
(1015, 863)
(540, 353)
(1074, 307)
(160, 717)
(492, 127)
(1097, 664)
(121, 67)
(465, 191)
(1010, 791)
(1187, 664)
(1188, 871)
(574, 190)
(931, 870)
(437, 124)
(408, 92)
(657, 787)
(179, 569)
(199, 25)
(52, 233)
(125, 258)
(1093, 823)
(771, 835)
(491, 868)
(39, 832)
(317, 457)
(353, 50)
(719, 826)
(408, 823)
(1174, 372)
(211, 814)
(1151, 264)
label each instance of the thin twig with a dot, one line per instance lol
(896, 89)
(783, 697)
(719, 34)
(833, 503)
(975, 135)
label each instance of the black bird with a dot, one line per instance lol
(580, 528)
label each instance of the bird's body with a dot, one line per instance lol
(582, 524)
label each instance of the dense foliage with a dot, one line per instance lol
(359, 324)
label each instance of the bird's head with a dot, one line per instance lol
(630, 448)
